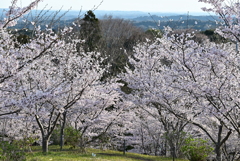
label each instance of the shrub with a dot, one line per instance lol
(196, 149)
(72, 136)
(11, 152)
(25, 143)
(55, 137)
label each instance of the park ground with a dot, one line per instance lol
(68, 154)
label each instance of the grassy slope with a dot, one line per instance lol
(74, 155)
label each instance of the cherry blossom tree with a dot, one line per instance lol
(198, 83)
(148, 132)
(63, 79)
(228, 12)
(95, 114)
(47, 76)
(10, 63)
(145, 81)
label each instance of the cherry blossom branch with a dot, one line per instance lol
(12, 112)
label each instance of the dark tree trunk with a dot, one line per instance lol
(218, 154)
(62, 131)
(45, 144)
(218, 144)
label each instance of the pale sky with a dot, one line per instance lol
(120, 5)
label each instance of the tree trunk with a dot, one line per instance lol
(62, 130)
(218, 153)
(218, 144)
(218, 157)
(45, 144)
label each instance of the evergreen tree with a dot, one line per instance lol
(90, 31)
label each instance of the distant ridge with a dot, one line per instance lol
(116, 14)
(176, 18)
(144, 20)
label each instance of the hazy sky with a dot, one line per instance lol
(121, 5)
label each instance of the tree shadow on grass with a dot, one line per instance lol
(127, 156)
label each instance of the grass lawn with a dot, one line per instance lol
(74, 155)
